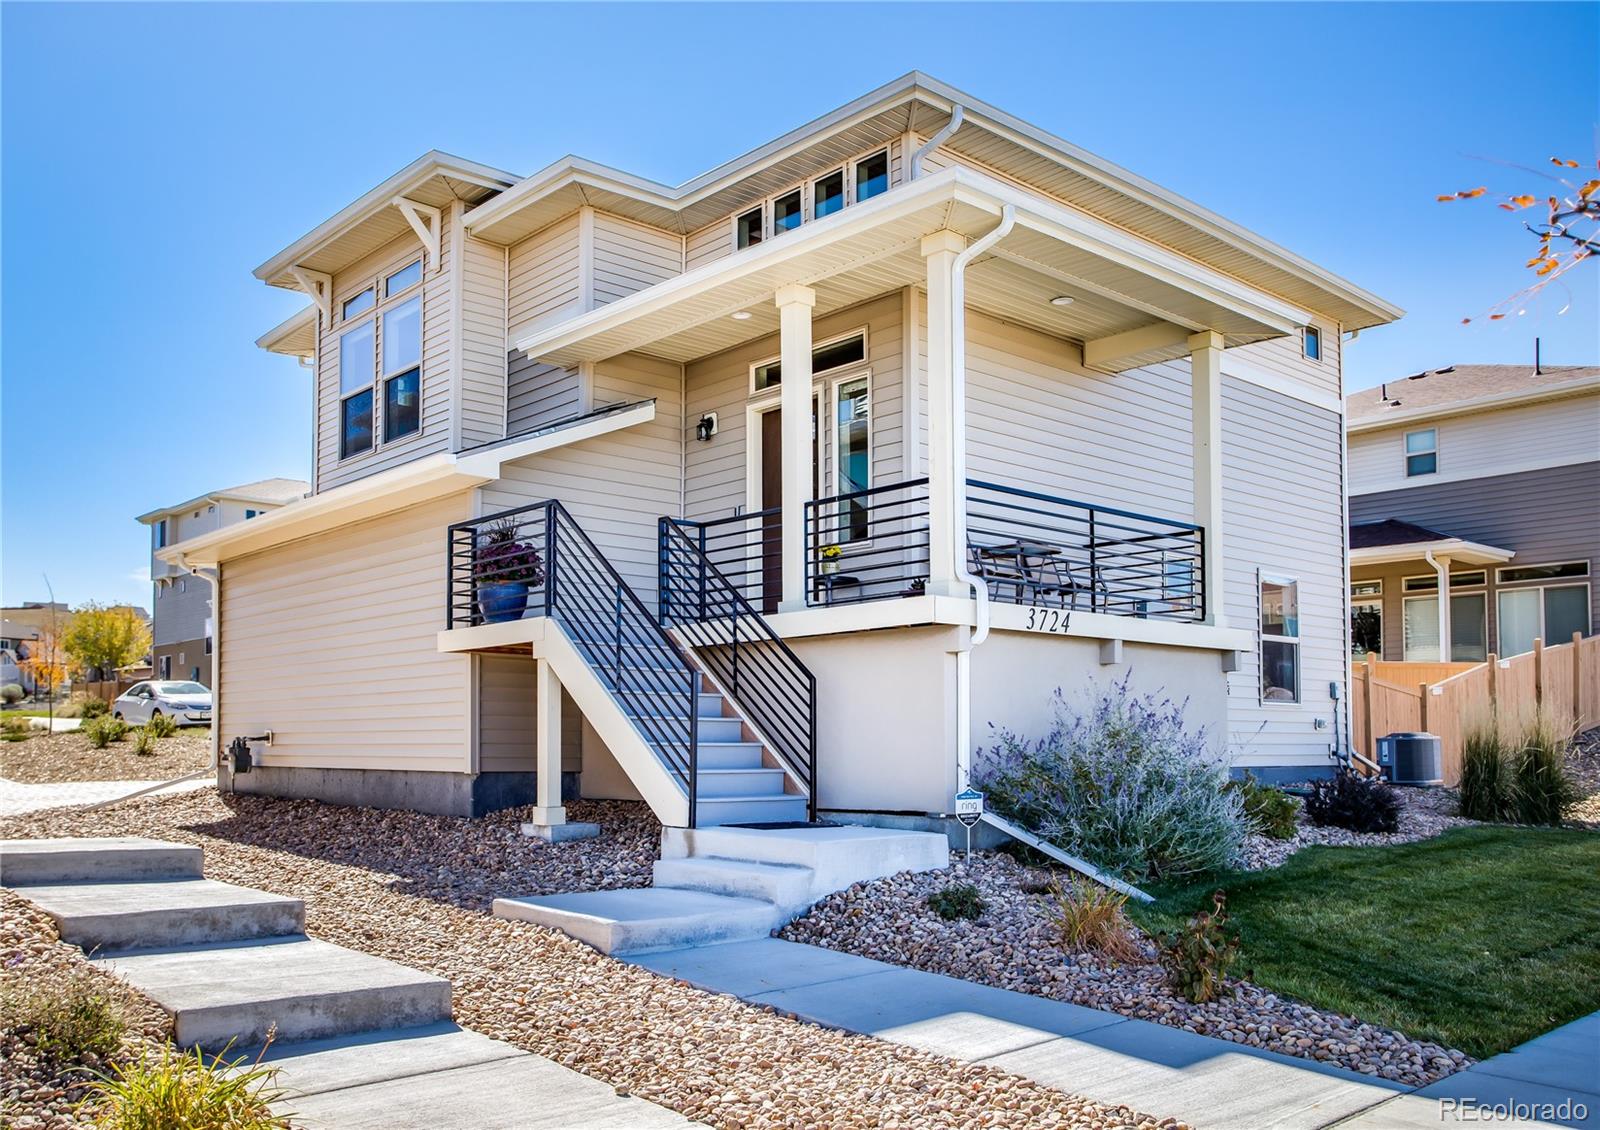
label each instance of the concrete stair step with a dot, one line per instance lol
(786, 886)
(164, 912)
(838, 855)
(768, 809)
(25, 862)
(308, 989)
(645, 919)
(742, 782)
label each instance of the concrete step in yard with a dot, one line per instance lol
(786, 886)
(24, 862)
(164, 912)
(837, 855)
(305, 988)
(646, 919)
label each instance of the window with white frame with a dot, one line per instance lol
(852, 454)
(1469, 611)
(381, 357)
(827, 194)
(1422, 452)
(750, 227)
(1280, 639)
(1311, 343)
(858, 180)
(1551, 611)
(835, 353)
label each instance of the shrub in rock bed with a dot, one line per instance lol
(1088, 916)
(958, 900)
(1201, 954)
(11, 693)
(1123, 784)
(178, 1089)
(102, 731)
(66, 1017)
(1516, 778)
(161, 726)
(1488, 787)
(1544, 788)
(16, 729)
(1360, 804)
(144, 742)
(1271, 812)
(93, 708)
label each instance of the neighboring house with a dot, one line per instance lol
(180, 629)
(15, 639)
(1476, 488)
(795, 403)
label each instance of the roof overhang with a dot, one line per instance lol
(1561, 391)
(1456, 549)
(423, 480)
(920, 105)
(295, 336)
(433, 180)
(1137, 300)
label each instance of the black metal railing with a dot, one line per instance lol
(867, 545)
(746, 549)
(1033, 548)
(771, 688)
(562, 574)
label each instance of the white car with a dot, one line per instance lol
(186, 703)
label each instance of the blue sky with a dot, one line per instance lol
(153, 155)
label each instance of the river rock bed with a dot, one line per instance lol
(1424, 813)
(1012, 946)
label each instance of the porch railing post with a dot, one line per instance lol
(550, 559)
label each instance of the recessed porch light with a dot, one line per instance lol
(1062, 300)
(741, 315)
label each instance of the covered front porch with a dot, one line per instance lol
(830, 471)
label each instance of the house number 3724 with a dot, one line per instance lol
(1048, 619)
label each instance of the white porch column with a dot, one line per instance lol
(1205, 364)
(1441, 568)
(794, 320)
(547, 746)
(940, 250)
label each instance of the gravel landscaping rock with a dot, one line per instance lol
(1584, 764)
(35, 1093)
(416, 889)
(1013, 946)
(46, 758)
(1425, 814)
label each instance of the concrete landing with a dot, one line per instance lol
(1164, 1071)
(441, 1077)
(838, 855)
(1553, 1080)
(239, 990)
(164, 912)
(646, 919)
(102, 860)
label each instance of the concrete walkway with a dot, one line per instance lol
(18, 797)
(1553, 1080)
(1162, 1071)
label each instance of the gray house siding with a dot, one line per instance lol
(1545, 516)
(180, 613)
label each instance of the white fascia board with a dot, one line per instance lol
(1477, 404)
(291, 325)
(430, 164)
(1457, 549)
(951, 184)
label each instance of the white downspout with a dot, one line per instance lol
(214, 575)
(958, 465)
(1441, 569)
(957, 114)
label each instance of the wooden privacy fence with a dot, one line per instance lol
(106, 691)
(1562, 681)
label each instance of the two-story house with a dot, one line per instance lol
(1474, 488)
(181, 621)
(766, 495)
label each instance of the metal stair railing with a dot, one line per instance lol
(765, 680)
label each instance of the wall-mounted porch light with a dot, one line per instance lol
(706, 428)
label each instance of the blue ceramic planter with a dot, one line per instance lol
(501, 602)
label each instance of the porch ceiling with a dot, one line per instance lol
(1118, 283)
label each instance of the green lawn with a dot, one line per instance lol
(1480, 939)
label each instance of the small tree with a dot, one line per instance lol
(46, 663)
(106, 638)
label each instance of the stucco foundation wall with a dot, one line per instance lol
(1015, 676)
(885, 712)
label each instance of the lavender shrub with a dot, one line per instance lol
(1122, 784)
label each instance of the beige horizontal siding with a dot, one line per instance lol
(544, 282)
(507, 718)
(1285, 357)
(482, 347)
(329, 643)
(538, 394)
(629, 257)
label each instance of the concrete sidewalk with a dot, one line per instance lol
(1553, 1080)
(1159, 1070)
(18, 797)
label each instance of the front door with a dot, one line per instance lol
(772, 499)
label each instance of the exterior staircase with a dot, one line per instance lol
(726, 884)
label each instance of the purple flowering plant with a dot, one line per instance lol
(501, 557)
(1121, 782)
